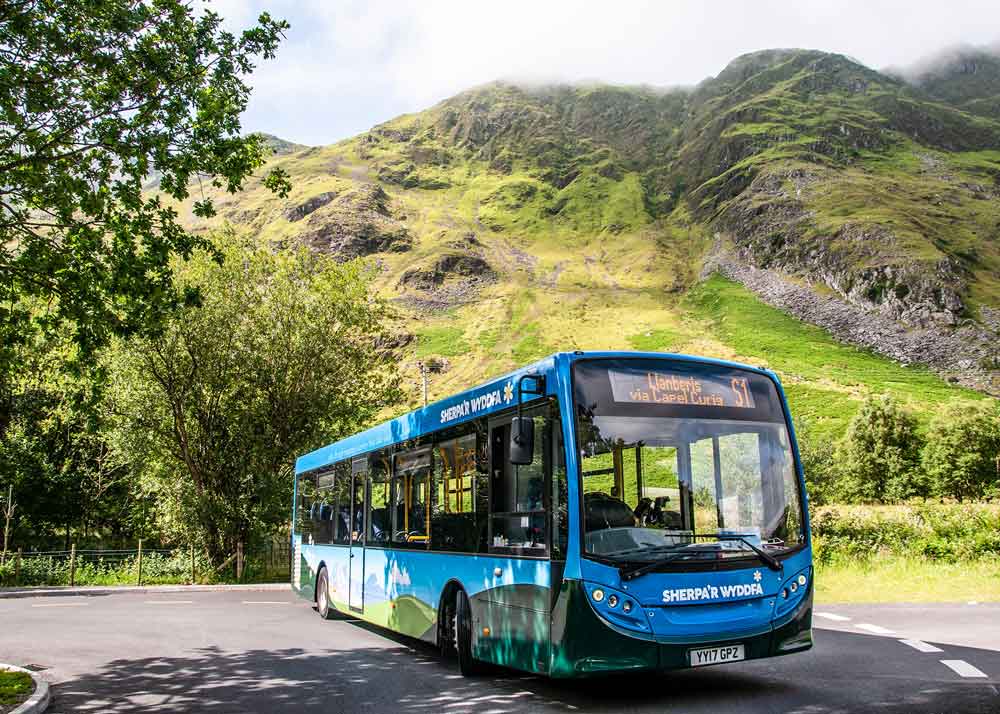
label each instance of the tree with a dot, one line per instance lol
(880, 454)
(53, 452)
(962, 453)
(282, 356)
(95, 99)
(819, 461)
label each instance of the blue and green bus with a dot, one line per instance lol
(591, 512)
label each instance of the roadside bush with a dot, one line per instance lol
(962, 453)
(880, 455)
(949, 532)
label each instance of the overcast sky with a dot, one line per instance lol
(349, 64)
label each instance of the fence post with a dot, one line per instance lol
(17, 567)
(239, 562)
(72, 565)
(140, 563)
(192, 563)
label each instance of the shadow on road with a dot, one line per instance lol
(411, 678)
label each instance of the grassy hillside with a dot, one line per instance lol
(508, 223)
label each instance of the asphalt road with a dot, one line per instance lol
(268, 652)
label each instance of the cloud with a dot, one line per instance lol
(349, 64)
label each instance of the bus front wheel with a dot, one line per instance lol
(468, 664)
(323, 595)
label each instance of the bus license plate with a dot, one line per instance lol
(716, 655)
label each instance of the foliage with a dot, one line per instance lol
(819, 462)
(96, 98)
(53, 452)
(15, 687)
(281, 357)
(962, 453)
(879, 455)
(952, 532)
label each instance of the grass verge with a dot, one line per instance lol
(908, 579)
(15, 687)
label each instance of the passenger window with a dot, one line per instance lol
(453, 523)
(325, 509)
(519, 516)
(306, 514)
(341, 499)
(411, 493)
(380, 520)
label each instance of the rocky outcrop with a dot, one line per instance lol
(452, 279)
(356, 223)
(968, 354)
(300, 211)
(772, 228)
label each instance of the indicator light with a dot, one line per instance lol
(486, 632)
(794, 586)
(598, 595)
(627, 606)
(802, 580)
(612, 600)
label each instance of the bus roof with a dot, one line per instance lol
(494, 395)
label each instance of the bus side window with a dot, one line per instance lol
(325, 508)
(307, 507)
(380, 518)
(453, 517)
(518, 517)
(342, 503)
(411, 493)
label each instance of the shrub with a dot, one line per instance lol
(962, 453)
(880, 454)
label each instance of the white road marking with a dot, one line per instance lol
(831, 616)
(266, 602)
(962, 668)
(169, 602)
(63, 604)
(921, 646)
(874, 629)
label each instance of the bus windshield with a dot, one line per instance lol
(681, 461)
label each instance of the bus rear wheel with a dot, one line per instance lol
(467, 664)
(323, 595)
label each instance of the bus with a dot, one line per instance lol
(592, 512)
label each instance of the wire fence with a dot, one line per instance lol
(268, 562)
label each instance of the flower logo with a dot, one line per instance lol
(756, 576)
(508, 392)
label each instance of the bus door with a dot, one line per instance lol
(359, 507)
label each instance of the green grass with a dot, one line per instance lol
(15, 687)
(661, 340)
(908, 579)
(445, 341)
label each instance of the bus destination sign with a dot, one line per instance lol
(657, 387)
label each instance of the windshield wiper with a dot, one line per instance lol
(635, 571)
(769, 560)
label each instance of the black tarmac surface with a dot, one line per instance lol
(269, 652)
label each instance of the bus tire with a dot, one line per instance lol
(468, 664)
(323, 595)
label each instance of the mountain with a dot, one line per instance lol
(795, 187)
(965, 77)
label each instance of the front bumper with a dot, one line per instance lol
(584, 644)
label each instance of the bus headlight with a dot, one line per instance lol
(627, 606)
(612, 600)
(802, 580)
(598, 595)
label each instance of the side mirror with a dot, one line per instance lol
(522, 440)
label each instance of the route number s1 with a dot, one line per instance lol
(742, 393)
